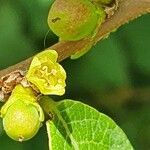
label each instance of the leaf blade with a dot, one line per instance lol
(78, 126)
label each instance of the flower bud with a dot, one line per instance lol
(73, 20)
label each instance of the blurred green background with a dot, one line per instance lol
(114, 77)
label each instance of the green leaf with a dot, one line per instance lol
(76, 126)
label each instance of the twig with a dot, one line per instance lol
(128, 10)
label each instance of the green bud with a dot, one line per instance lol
(73, 20)
(22, 118)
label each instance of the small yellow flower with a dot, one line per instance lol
(46, 74)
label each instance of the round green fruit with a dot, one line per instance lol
(73, 20)
(21, 121)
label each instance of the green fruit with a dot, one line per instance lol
(21, 121)
(22, 115)
(73, 20)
